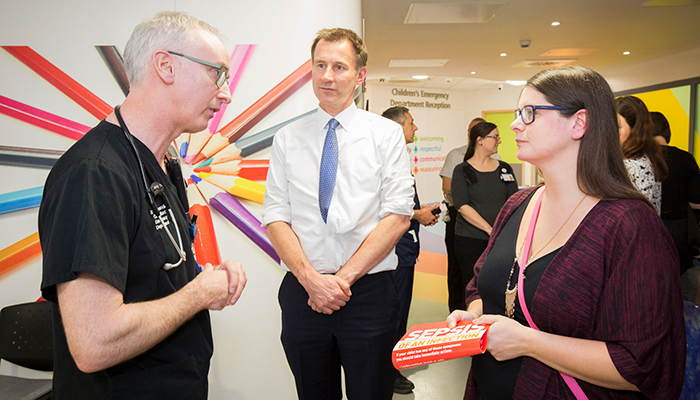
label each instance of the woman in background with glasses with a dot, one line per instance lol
(643, 157)
(480, 187)
(600, 311)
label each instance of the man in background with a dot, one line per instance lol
(338, 198)
(130, 311)
(455, 286)
(408, 247)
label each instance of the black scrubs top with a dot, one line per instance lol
(95, 218)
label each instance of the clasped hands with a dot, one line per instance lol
(425, 215)
(222, 286)
(327, 293)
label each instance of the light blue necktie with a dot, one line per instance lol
(329, 167)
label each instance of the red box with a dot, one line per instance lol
(435, 342)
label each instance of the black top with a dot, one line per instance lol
(95, 218)
(485, 192)
(682, 184)
(408, 247)
(496, 379)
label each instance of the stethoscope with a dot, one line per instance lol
(155, 189)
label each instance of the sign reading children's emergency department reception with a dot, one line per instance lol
(441, 127)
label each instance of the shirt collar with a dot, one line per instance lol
(344, 118)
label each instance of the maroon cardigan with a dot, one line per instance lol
(615, 280)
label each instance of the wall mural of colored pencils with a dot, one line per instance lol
(206, 248)
(28, 157)
(256, 112)
(238, 215)
(21, 199)
(42, 119)
(15, 254)
(232, 174)
(255, 170)
(113, 58)
(240, 187)
(69, 86)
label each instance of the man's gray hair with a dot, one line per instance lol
(167, 31)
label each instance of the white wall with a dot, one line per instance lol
(248, 359)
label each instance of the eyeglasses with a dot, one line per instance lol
(497, 137)
(221, 75)
(527, 113)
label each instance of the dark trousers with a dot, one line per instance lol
(468, 252)
(359, 336)
(403, 281)
(455, 287)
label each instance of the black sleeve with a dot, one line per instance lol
(86, 223)
(460, 187)
(691, 168)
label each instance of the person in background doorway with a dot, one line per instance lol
(455, 286)
(643, 158)
(408, 247)
(480, 187)
(680, 188)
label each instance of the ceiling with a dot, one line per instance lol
(605, 28)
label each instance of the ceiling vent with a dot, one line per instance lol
(450, 13)
(543, 63)
(571, 52)
(402, 80)
(425, 63)
(670, 3)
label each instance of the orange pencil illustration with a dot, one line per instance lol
(255, 170)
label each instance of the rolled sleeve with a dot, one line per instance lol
(397, 183)
(276, 204)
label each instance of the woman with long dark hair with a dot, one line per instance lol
(579, 281)
(480, 187)
(643, 156)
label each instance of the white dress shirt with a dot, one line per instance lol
(373, 180)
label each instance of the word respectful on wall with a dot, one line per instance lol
(418, 94)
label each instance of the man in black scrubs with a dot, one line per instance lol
(408, 247)
(130, 305)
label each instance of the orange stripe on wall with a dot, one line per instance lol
(432, 263)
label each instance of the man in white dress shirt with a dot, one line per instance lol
(336, 237)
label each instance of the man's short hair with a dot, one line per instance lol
(167, 31)
(340, 34)
(660, 126)
(396, 114)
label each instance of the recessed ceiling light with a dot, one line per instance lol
(420, 77)
(625, 53)
(473, 72)
(555, 23)
(503, 54)
(516, 83)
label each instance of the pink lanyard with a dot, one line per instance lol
(570, 381)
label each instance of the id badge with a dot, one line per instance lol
(505, 176)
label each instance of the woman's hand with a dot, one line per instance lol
(459, 315)
(505, 336)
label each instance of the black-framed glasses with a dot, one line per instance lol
(527, 113)
(497, 137)
(221, 73)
